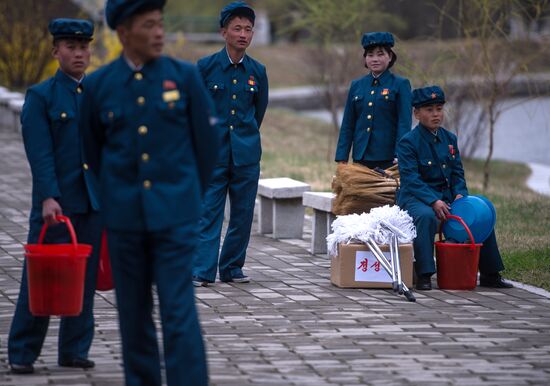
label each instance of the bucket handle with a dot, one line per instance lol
(459, 219)
(66, 221)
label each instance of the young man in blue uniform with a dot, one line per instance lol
(378, 109)
(432, 177)
(62, 184)
(239, 87)
(148, 123)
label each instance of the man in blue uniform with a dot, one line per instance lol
(378, 109)
(62, 184)
(239, 87)
(432, 177)
(148, 123)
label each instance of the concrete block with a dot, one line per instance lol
(321, 202)
(265, 218)
(288, 218)
(281, 212)
(6, 115)
(282, 188)
(16, 105)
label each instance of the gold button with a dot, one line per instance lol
(145, 157)
(142, 130)
(368, 128)
(79, 90)
(138, 76)
(386, 97)
(110, 114)
(85, 166)
(429, 162)
(147, 184)
(63, 115)
(370, 103)
(372, 92)
(140, 101)
(215, 87)
(435, 139)
(234, 81)
(376, 81)
(235, 65)
(234, 96)
(369, 116)
(444, 166)
(231, 127)
(232, 112)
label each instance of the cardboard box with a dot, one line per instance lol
(356, 267)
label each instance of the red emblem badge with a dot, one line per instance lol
(251, 81)
(169, 85)
(451, 149)
(385, 91)
(434, 95)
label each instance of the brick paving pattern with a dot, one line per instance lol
(290, 326)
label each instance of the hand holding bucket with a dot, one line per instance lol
(479, 215)
(56, 273)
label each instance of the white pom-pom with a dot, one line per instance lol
(379, 224)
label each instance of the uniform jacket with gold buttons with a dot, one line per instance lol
(378, 113)
(240, 93)
(152, 131)
(49, 120)
(430, 166)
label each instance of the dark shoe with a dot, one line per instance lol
(239, 278)
(199, 282)
(493, 281)
(21, 369)
(424, 282)
(77, 362)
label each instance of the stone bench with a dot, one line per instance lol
(321, 202)
(16, 106)
(281, 212)
(6, 111)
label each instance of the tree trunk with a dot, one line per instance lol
(487, 165)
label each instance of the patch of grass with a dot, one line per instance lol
(287, 64)
(529, 266)
(523, 220)
(298, 147)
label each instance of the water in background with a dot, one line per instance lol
(522, 131)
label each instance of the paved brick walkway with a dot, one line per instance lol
(291, 327)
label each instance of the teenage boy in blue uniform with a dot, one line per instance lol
(149, 124)
(62, 184)
(432, 177)
(239, 87)
(378, 109)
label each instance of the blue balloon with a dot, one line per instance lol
(479, 215)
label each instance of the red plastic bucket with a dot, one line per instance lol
(457, 264)
(55, 275)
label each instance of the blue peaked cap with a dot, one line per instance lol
(116, 11)
(237, 8)
(371, 39)
(71, 29)
(431, 95)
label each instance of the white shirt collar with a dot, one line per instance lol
(230, 60)
(131, 64)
